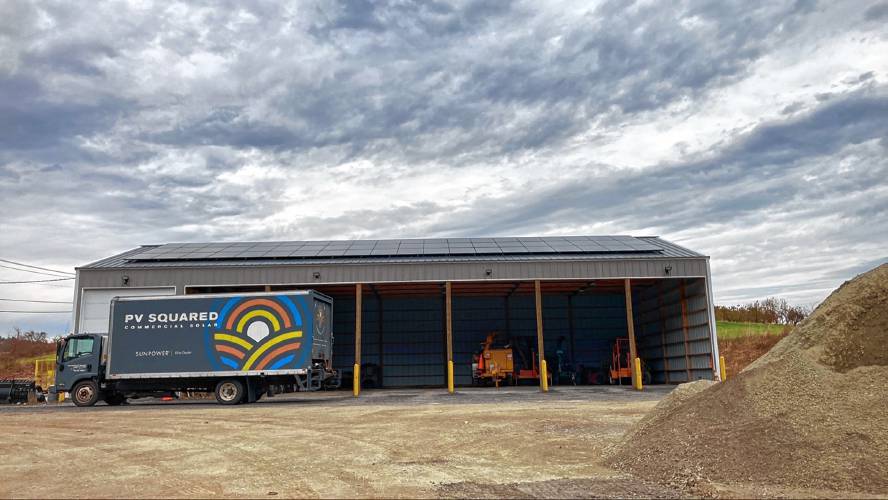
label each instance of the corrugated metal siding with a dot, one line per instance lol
(413, 342)
(676, 346)
(473, 319)
(304, 275)
(413, 334)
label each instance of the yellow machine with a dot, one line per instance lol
(44, 371)
(495, 363)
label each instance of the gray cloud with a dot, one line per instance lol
(755, 132)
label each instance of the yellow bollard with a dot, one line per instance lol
(722, 370)
(544, 376)
(450, 377)
(637, 374)
(356, 383)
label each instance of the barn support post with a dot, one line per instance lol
(356, 387)
(544, 372)
(448, 299)
(634, 362)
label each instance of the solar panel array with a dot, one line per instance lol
(397, 248)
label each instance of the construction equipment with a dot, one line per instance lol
(44, 371)
(494, 364)
(621, 364)
(497, 364)
(16, 390)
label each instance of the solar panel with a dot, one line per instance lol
(462, 250)
(393, 247)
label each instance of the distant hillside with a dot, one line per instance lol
(742, 343)
(18, 352)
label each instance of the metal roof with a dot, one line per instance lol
(518, 249)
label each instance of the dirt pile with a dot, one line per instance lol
(812, 413)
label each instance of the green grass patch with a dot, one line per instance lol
(733, 330)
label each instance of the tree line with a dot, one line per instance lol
(770, 310)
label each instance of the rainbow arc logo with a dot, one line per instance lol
(259, 334)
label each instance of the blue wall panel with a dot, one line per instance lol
(413, 349)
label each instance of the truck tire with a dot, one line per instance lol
(230, 391)
(85, 393)
(114, 399)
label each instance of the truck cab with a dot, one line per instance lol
(79, 367)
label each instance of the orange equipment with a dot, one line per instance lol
(621, 365)
(533, 373)
(495, 364)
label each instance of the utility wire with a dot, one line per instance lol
(28, 271)
(32, 281)
(32, 312)
(34, 267)
(38, 301)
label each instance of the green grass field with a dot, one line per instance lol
(732, 330)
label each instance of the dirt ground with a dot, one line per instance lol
(479, 443)
(407, 443)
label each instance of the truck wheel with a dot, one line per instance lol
(114, 399)
(85, 393)
(229, 392)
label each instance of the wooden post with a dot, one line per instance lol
(544, 375)
(630, 323)
(357, 368)
(448, 320)
(267, 288)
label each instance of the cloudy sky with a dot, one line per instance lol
(755, 133)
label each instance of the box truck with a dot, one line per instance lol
(238, 346)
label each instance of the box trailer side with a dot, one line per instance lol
(219, 335)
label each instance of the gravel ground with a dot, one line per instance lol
(512, 442)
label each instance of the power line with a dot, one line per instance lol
(34, 267)
(32, 281)
(28, 270)
(38, 301)
(32, 312)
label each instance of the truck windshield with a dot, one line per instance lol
(78, 347)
